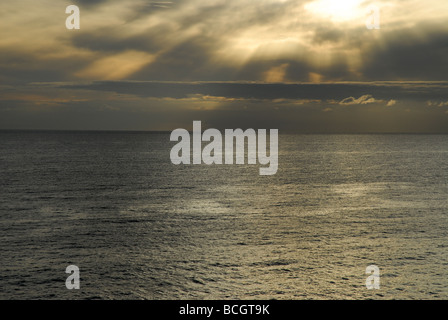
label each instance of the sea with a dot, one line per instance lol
(139, 227)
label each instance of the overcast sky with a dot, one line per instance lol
(299, 66)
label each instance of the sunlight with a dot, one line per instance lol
(337, 10)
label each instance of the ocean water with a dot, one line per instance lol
(139, 227)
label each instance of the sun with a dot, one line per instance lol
(336, 10)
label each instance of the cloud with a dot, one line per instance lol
(365, 99)
(418, 53)
(90, 3)
(276, 74)
(431, 103)
(143, 105)
(195, 40)
(391, 103)
(273, 62)
(116, 66)
(383, 91)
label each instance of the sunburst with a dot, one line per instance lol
(336, 10)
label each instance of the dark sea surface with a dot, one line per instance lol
(139, 227)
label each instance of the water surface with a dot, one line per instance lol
(139, 227)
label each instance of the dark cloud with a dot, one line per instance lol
(89, 3)
(110, 40)
(189, 60)
(418, 53)
(98, 114)
(323, 34)
(18, 67)
(417, 91)
(294, 107)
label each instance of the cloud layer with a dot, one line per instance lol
(195, 40)
(305, 65)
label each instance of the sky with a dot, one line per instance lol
(308, 66)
